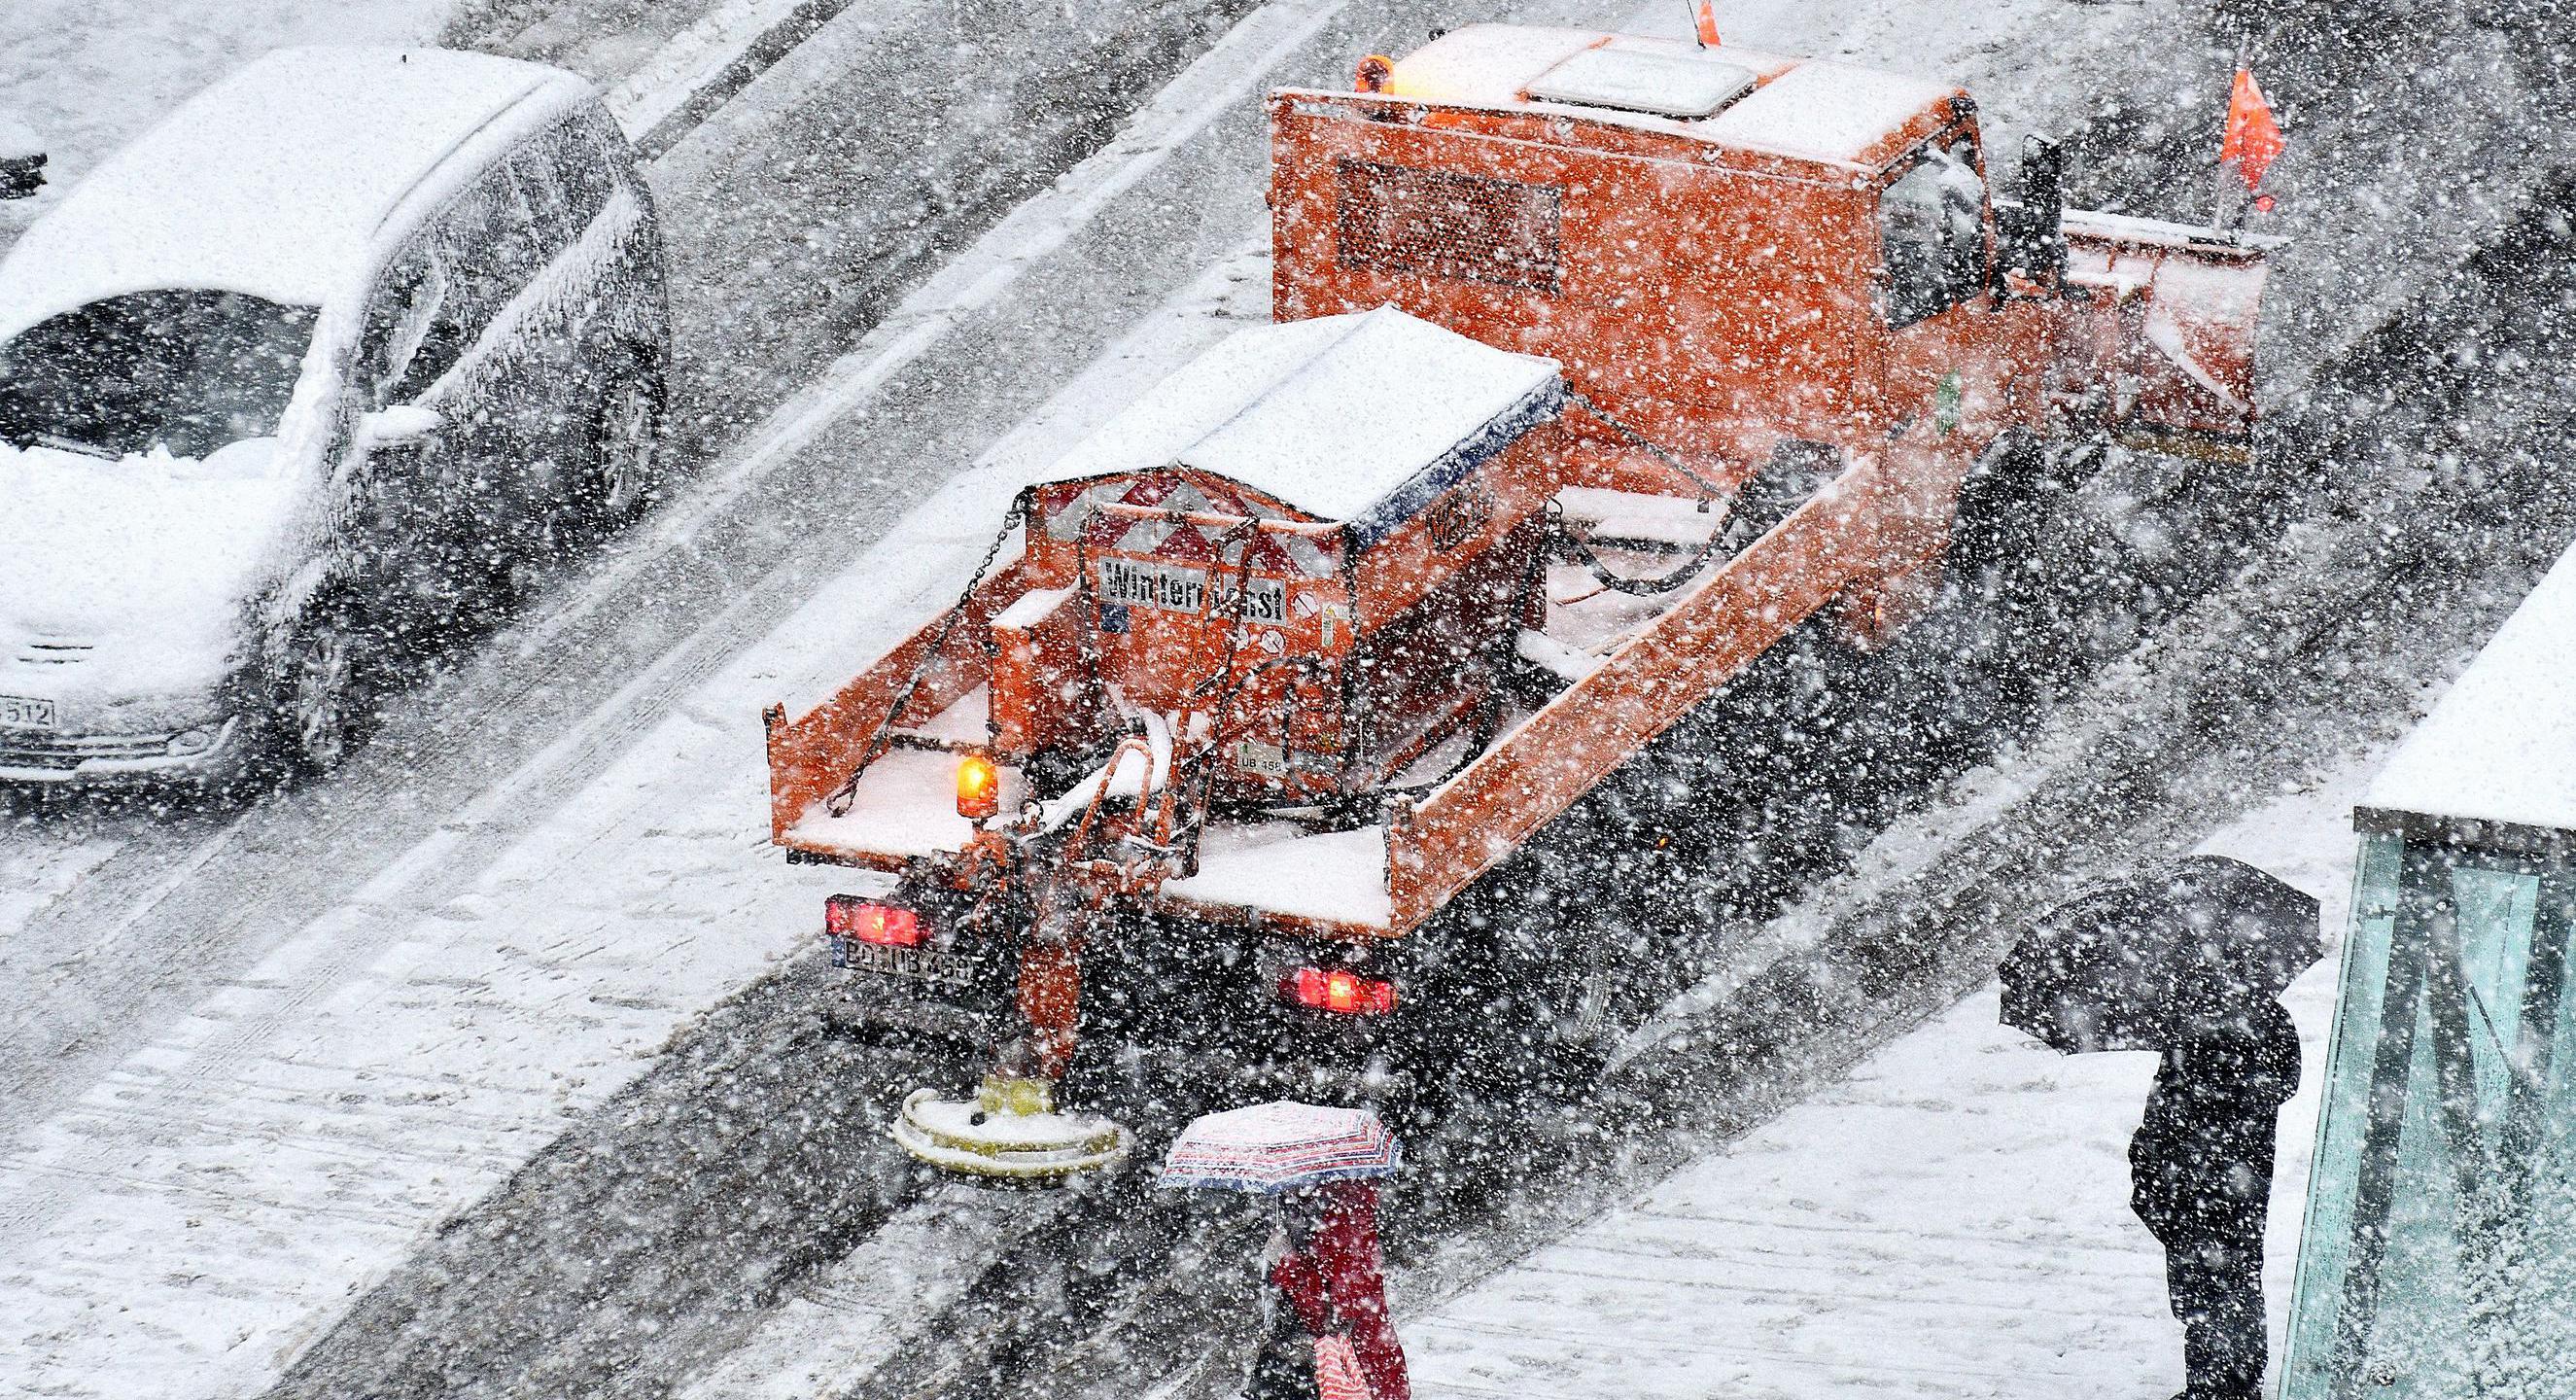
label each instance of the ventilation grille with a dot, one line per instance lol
(1396, 218)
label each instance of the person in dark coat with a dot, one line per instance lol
(2201, 1174)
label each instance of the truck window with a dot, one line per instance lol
(1932, 233)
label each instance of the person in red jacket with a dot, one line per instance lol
(1331, 1282)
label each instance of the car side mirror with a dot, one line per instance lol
(2032, 231)
(403, 425)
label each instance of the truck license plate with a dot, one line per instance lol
(946, 969)
(17, 712)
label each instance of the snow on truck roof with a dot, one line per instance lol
(2501, 745)
(272, 182)
(1804, 109)
(1360, 417)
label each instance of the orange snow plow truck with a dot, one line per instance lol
(1598, 365)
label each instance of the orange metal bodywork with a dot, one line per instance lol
(1723, 302)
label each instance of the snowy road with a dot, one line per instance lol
(1950, 1219)
(293, 1041)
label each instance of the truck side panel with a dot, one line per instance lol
(812, 756)
(1717, 309)
(1846, 538)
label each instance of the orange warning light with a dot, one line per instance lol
(979, 787)
(1376, 71)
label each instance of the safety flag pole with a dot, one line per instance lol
(2253, 138)
(1704, 22)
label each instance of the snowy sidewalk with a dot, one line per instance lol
(1951, 1220)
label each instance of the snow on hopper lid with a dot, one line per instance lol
(1362, 418)
(2501, 746)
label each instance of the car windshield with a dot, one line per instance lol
(188, 372)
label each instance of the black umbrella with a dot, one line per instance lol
(2132, 966)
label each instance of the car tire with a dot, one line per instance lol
(319, 718)
(624, 474)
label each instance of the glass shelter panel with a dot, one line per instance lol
(2435, 1255)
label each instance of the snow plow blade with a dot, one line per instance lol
(2167, 349)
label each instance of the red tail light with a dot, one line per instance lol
(1340, 991)
(848, 916)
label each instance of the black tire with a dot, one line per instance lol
(319, 713)
(622, 473)
(1533, 1005)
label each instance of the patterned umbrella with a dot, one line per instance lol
(1280, 1146)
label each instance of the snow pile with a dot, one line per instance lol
(1830, 112)
(90, 74)
(151, 560)
(18, 140)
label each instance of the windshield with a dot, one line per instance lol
(189, 372)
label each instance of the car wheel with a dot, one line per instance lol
(626, 449)
(318, 714)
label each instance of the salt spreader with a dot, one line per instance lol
(1599, 364)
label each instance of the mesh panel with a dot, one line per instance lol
(1401, 219)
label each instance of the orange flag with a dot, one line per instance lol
(1704, 19)
(2253, 137)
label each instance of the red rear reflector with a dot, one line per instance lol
(1339, 991)
(848, 916)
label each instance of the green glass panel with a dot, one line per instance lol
(2495, 920)
(2438, 1254)
(2325, 1242)
(2415, 1348)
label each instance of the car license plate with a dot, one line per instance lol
(945, 969)
(18, 712)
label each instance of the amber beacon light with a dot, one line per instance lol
(979, 787)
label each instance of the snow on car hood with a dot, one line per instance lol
(129, 579)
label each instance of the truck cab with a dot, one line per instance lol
(1747, 256)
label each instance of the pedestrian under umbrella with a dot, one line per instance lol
(1328, 1333)
(2187, 962)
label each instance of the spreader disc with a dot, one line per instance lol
(961, 1135)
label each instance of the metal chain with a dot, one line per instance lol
(1709, 490)
(839, 801)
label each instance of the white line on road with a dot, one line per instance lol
(691, 59)
(1204, 91)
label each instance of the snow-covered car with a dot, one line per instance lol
(321, 363)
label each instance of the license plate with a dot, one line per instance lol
(945, 969)
(17, 712)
